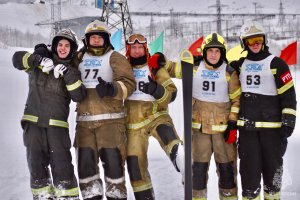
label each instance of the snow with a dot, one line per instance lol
(14, 176)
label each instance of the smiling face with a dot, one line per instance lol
(213, 55)
(63, 48)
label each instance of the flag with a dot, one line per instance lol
(99, 4)
(195, 48)
(158, 44)
(289, 54)
(116, 40)
(235, 53)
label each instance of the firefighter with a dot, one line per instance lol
(53, 82)
(267, 116)
(216, 93)
(101, 131)
(147, 115)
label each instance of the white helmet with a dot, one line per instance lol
(250, 29)
(97, 27)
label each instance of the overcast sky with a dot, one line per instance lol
(248, 6)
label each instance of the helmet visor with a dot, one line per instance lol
(254, 40)
(136, 38)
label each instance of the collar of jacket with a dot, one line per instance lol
(260, 55)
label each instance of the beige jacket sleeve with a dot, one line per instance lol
(122, 75)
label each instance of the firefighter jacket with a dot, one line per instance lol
(216, 94)
(141, 108)
(112, 67)
(268, 94)
(49, 97)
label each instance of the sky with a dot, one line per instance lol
(14, 176)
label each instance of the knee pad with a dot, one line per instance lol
(166, 133)
(133, 168)
(87, 164)
(199, 175)
(112, 162)
(146, 194)
(226, 171)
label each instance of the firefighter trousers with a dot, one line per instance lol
(203, 146)
(50, 147)
(162, 129)
(261, 155)
(105, 140)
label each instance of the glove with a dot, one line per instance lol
(150, 87)
(47, 64)
(231, 132)
(286, 131)
(42, 50)
(105, 88)
(157, 61)
(60, 69)
(288, 125)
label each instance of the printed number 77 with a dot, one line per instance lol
(88, 72)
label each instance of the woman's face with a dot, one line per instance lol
(63, 48)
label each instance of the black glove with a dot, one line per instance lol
(105, 88)
(231, 132)
(288, 125)
(150, 87)
(153, 88)
(286, 131)
(42, 50)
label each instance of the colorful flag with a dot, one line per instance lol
(195, 48)
(158, 44)
(289, 54)
(116, 40)
(99, 4)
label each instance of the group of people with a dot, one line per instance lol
(123, 100)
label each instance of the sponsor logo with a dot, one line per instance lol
(286, 77)
(139, 73)
(253, 67)
(92, 63)
(210, 74)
